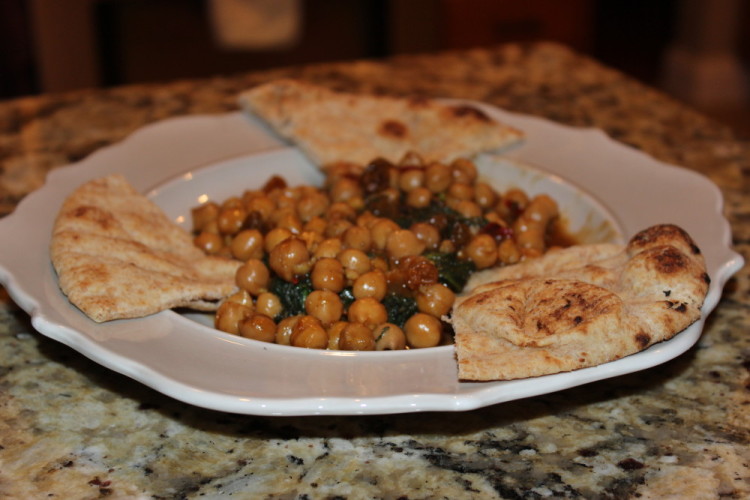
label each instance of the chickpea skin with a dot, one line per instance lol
(324, 305)
(423, 330)
(426, 233)
(334, 334)
(356, 337)
(274, 237)
(357, 237)
(437, 177)
(204, 214)
(253, 276)
(258, 327)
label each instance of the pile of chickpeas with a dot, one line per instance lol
(345, 236)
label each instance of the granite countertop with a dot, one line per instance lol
(70, 428)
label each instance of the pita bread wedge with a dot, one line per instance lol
(579, 307)
(332, 126)
(117, 255)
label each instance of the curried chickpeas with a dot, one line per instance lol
(247, 244)
(309, 333)
(269, 304)
(403, 243)
(423, 330)
(289, 258)
(435, 299)
(324, 305)
(374, 258)
(229, 315)
(356, 337)
(389, 337)
(258, 327)
(369, 311)
(211, 243)
(371, 284)
(253, 276)
(482, 251)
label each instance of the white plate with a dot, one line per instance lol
(199, 365)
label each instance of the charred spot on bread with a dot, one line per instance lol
(681, 308)
(642, 339)
(706, 278)
(669, 260)
(393, 129)
(667, 293)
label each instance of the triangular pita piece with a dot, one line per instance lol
(579, 307)
(117, 255)
(333, 126)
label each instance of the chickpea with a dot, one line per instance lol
(423, 330)
(290, 258)
(285, 328)
(230, 220)
(289, 220)
(258, 327)
(508, 252)
(247, 244)
(231, 202)
(468, 208)
(464, 170)
(262, 205)
(357, 237)
(341, 210)
(328, 274)
(381, 230)
(410, 178)
(419, 197)
(311, 239)
(328, 248)
(355, 263)
(426, 233)
(308, 332)
(242, 297)
(324, 305)
(334, 334)
(229, 315)
(269, 304)
(482, 251)
(312, 205)
(211, 243)
(316, 224)
(411, 159)
(366, 219)
(402, 243)
(437, 177)
(371, 284)
(253, 276)
(484, 195)
(461, 191)
(367, 310)
(344, 189)
(435, 299)
(204, 214)
(356, 337)
(274, 237)
(389, 337)
(337, 227)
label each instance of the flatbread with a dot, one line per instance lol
(579, 307)
(330, 126)
(117, 255)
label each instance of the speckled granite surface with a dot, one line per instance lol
(72, 429)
